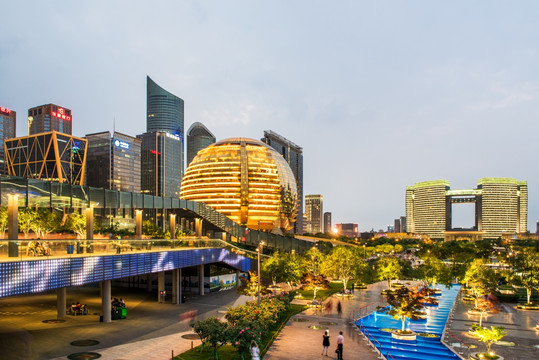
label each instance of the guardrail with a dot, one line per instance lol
(377, 347)
(365, 310)
(446, 334)
(461, 342)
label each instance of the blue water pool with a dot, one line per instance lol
(422, 348)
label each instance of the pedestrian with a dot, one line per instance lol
(325, 343)
(339, 308)
(255, 352)
(353, 286)
(340, 342)
(329, 306)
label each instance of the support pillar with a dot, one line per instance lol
(160, 285)
(201, 279)
(138, 224)
(13, 225)
(61, 303)
(149, 282)
(172, 227)
(89, 229)
(176, 286)
(198, 227)
(238, 282)
(106, 301)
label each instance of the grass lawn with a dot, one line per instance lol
(321, 294)
(228, 352)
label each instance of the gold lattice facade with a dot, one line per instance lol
(501, 208)
(246, 180)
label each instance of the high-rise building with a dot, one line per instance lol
(47, 156)
(327, 222)
(49, 117)
(113, 162)
(390, 229)
(198, 138)
(293, 154)
(501, 208)
(162, 150)
(314, 209)
(348, 229)
(161, 165)
(403, 224)
(397, 226)
(8, 121)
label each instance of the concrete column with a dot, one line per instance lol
(176, 286)
(13, 225)
(238, 283)
(160, 284)
(172, 223)
(61, 303)
(89, 227)
(198, 227)
(201, 279)
(138, 224)
(106, 301)
(149, 282)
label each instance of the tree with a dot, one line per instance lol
(433, 271)
(488, 336)
(405, 304)
(251, 288)
(213, 332)
(312, 261)
(46, 221)
(480, 279)
(526, 271)
(76, 223)
(388, 268)
(314, 282)
(282, 267)
(3, 220)
(27, 218)
(342, 263)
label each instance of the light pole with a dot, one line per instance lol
(259, 250)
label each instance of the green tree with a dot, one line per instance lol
(213, 331)
(488, 336)
(27, 218)
(526, 271)
(388, 268)
(311, 261)
(480, 279)
(76, 223)
(46, 221)
(342, 263)
(282, 267)
(3, 220)
(433, 271)
(405, 304)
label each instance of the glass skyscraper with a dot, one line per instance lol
(162, 152)
(198, 138)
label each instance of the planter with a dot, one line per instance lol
(485, 356)
(528, 306)
(407, 335)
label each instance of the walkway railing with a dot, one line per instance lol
(377, 347)
(447, 335)
(365, 310)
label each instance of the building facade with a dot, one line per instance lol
(293, 154)
(314, 209)
(349, 229)
(50, 117)
(8, 122)
(198, 138)
(113, 162)
(162, 147)
(397, 226)
(47, 156)
(327, 222)
(501, 207)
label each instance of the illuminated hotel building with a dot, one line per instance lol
(247, 181)
(314, 209)
(49, 117)
(113, 162)
(293, 154)
(198, 138)
(47, 156)
(501, 208)
(349, 229)
(8, 121)
(162, 143)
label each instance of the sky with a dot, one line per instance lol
(380, 94)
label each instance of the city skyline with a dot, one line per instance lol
(379, 96)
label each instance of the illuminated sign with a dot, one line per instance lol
(121, 144)
(5, 110)
(155, 152)
(173, 136)
(61, 114)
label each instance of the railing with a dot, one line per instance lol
(376, 345)
(446, 333)
(33, 249)
(461, 342)
(365, 310)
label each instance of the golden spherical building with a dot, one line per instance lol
(246, 180)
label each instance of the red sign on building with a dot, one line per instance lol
(5, 110)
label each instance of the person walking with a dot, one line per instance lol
(339, 308)
(325, 343)
(255, 352)
(340, 343)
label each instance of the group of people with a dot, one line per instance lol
(118, 303)
(78, 309)
(326, 344)
(329, 307)
(38, 249)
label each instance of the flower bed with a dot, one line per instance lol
(403, 335)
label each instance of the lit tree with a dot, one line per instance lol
(388, 268)
(489, 336)
(341, 264)
(27, 218)
(405, 304)
(3, 220)
(46, 221)
(526, 271)
(282, 267)
(433, 271)
(480, 279)
(77, 223)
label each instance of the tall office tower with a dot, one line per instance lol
(403, 224)
(162, 163)
(397, 226)
(293, 155)
(314, 208)
(537, 228)
(504, 206)
(429, 208)
(49, 117)
(198, 138)
(113, 162)
(8, 121)
(327, 222)
(161, 167)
